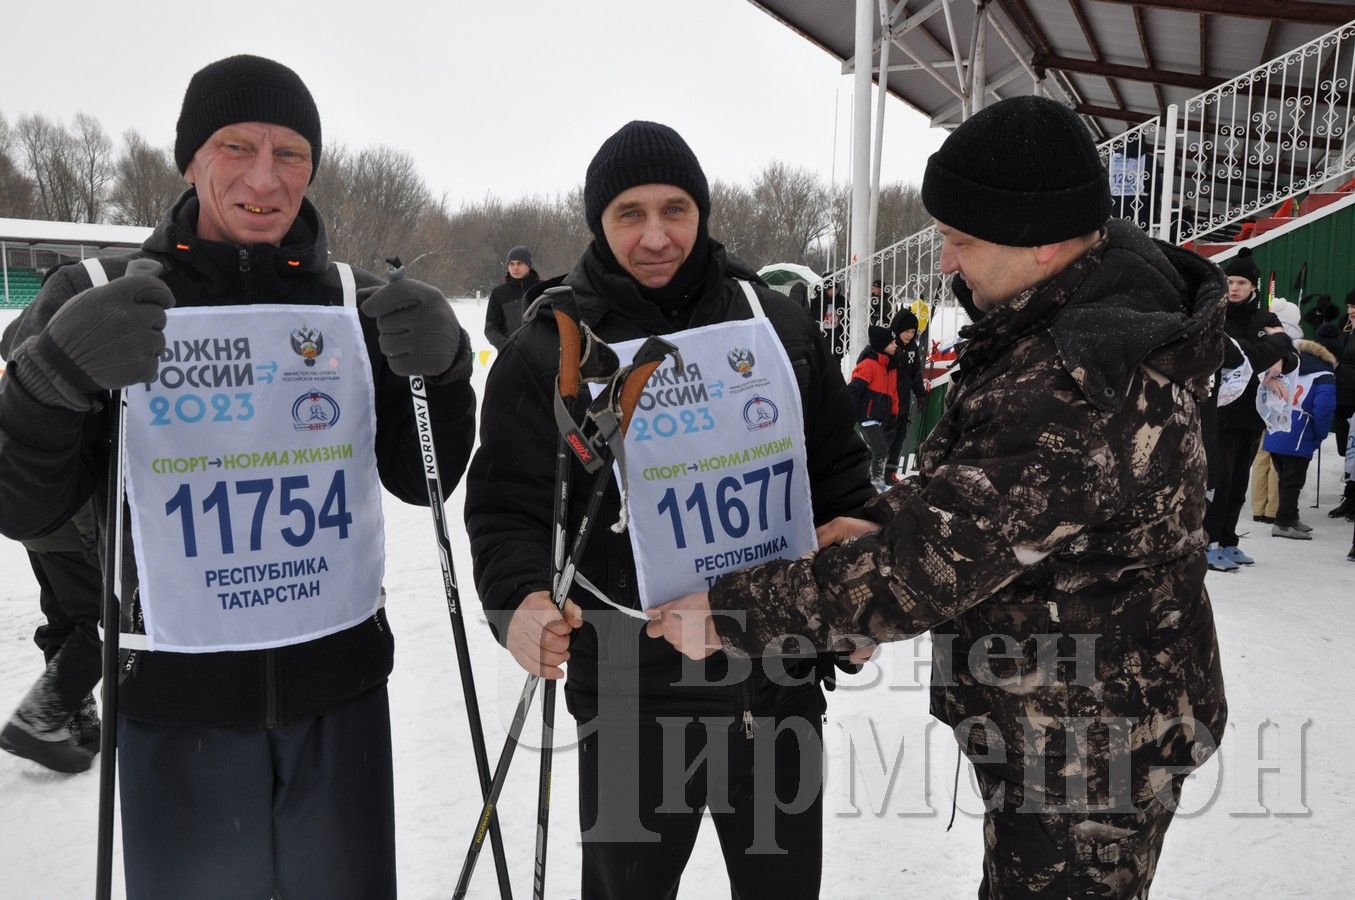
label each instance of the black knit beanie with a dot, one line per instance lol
(879, 337)
(1243, 266)
(521, 254)
(903, 320)
(1021, 173)
(641, 153)
(244, 89)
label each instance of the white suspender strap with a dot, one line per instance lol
(96, 271)
(753, 301)
(350, 288)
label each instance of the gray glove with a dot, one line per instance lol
(419, 331)
(102, 339)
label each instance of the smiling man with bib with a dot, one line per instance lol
(732, 458)
(263, 413)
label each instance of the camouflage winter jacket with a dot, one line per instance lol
(1057, 513)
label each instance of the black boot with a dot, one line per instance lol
(40, 728)
(1346, 508)
(85, 725)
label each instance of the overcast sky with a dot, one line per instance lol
(507, 97)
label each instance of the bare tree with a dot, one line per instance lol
(372, 202)
(734, 219)
(145, 183)
(48, 153)
(17, 191)
(93, 161)
(792, 205)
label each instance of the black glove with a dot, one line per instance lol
(102, 339)
(419, 331)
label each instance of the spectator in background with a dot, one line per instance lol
(1342, 346)
(908, 364)
(880, 302)
(875, 393)
(1290, 317)
(1321, 312)
(1309, 421)
(827, 310)
(504, 314)
(1236, 435)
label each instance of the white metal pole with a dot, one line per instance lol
(878, 153)
(978, 72)
(1164, 231)
(859, 299)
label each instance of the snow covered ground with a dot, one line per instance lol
(1244, 832)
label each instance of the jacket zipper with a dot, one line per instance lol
(746, 691)
(245, 264)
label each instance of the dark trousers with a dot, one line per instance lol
(70, 591)
(896, 441)
(1051, 855)
(1236, 449)
(1293, 472)
(302, 811)
(764, 793)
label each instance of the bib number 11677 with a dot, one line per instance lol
(732, 513)
(299, 513)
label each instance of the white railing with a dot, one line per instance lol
(1267, 135)
(1249, 144)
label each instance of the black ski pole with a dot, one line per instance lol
(436, 500)
(111, 616)
(618, 401)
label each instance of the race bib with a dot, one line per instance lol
(251, 477)
(715, 461)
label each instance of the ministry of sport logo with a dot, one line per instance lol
(314, 411)
(741, 361)
(308, 343)
(759, 412)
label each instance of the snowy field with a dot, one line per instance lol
(1245, 831)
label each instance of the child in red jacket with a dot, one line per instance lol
(875, 391)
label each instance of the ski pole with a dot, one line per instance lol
(111, 615)
(619, 400)
(436, 500)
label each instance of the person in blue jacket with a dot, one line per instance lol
(1309, 421)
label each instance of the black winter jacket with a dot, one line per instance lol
(53, 460)
(1245, 322)
(510, 486)
(503, 315)
(1344, 351)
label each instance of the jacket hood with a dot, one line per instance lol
(1129, 301)
(1316, 350)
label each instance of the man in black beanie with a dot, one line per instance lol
(662, 739)
(1052, 536)
(1233, 430)
(254, 752)
(503, 314)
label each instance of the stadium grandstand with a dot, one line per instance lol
(30, 248)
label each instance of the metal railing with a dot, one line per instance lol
(1227, 154)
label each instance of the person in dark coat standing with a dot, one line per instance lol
(503, 315)
(662, 740)
(254, 749)
(1261, 338)
(909, 361)
(874, 388)
(1058, 506)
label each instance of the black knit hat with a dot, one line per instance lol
(903, 320)
(641, 153)
(521, 254)
(879, 337)
(1022, 172)
(1243, 266)
(244, 89)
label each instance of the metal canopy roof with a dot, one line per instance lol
(1119, 62)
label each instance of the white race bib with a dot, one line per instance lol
(252, 481)
(715, 460)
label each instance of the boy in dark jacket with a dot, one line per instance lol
(1310, 420)
(875, 393)
(909, 361)
(503, 315)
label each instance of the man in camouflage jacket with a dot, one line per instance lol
(1052, 536)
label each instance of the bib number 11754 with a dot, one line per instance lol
(734, 510)
(300, 519)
